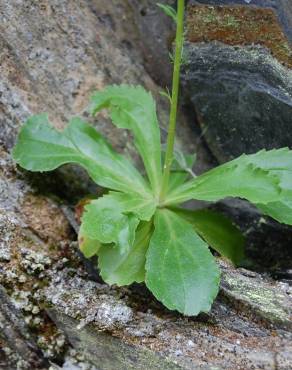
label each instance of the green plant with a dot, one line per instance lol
(139, 230)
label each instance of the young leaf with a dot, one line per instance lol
(183, 162)
(134, 109)
(42, 148)
(180, 270)
(104, 220)
(89, 247)
(166, 94)
(129, 267)
(168, 10)
(262, 178)
(217, 231)
(181, 168)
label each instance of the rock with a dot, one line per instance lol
(17, 336)
(107, 352)
(218, 77)
(239, 332)
(282, 8)
(86, 303)
(156, 33)
(270, 302)
(267, 241)
(7, 231)
(238, 77)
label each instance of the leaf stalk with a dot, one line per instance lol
(179, 40)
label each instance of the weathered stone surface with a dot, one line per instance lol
(108, 352)
(238, 76)
(282, 8)
(243, 98)
(15, 332)
(239, 332)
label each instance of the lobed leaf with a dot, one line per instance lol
(180, 270)
(89, 247)
(104, 220)
(261, 178)
(40, 147)
(142, 206)
(129, 267)
(134, 109)
(281, 211)
(217, 231)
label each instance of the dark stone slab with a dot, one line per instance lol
(268, 243)
(242, 95)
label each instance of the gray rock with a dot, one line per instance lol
(86, 302)
(242, 95)
(107, 352)
(237, 83)
(16, 335)
(219, 340)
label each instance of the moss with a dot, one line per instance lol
(239, 25)
(267, 302)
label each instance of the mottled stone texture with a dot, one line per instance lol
(238, 76)
(242, 95)
(249, 326)
(282, 8)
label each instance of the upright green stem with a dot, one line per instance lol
(174, 98)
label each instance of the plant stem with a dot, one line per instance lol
(174, 98)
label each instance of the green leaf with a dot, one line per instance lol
(133, 108)
(263, 178)
(129, 267)
(104, 220)
(143, 207)
(42, 148)
(176, 179)
(168, 10)
(181, 168)
(89, 247)
(183, 162)
(166, 94)
(280, 211)
(217, 231)
(180, 270)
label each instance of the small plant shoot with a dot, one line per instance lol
(139, 230)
